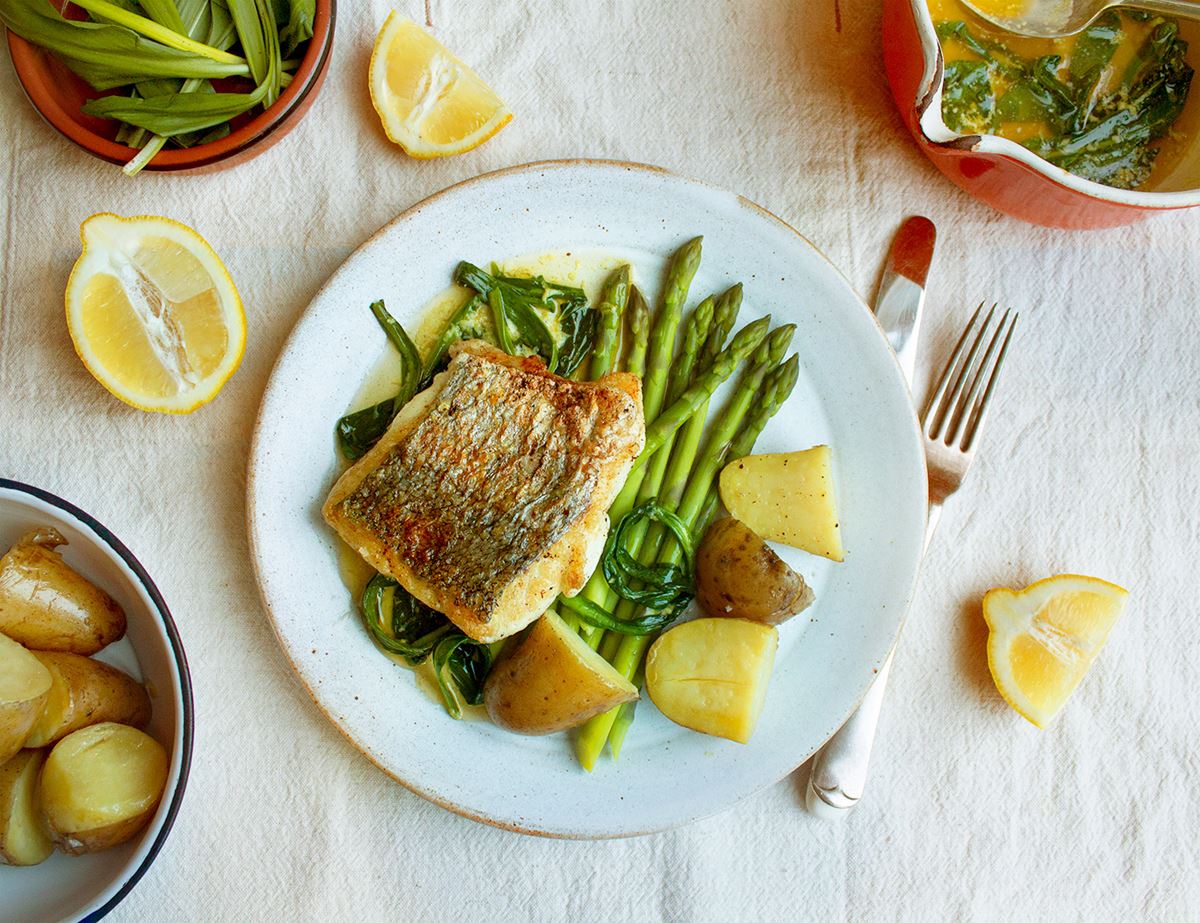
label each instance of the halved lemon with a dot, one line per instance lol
(429, 101)
(153, 313)
(1043, 639)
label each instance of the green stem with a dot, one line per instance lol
(159, 33)
(725, 312)
(695, 335)
(613, 301)
(637, 317)
(697, 394)
(628, 656)
(674, 416)
(680, 272)
(639, 332)
(768, 356)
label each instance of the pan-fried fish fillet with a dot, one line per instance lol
(487, 496)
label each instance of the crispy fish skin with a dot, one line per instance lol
(487, 496)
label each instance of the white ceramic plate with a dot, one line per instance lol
(851, 394)
(86, 888)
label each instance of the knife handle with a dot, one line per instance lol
(839, 771)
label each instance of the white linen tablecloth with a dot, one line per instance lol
(1089, 465)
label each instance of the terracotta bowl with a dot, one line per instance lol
(58, 94)
(1001, 172)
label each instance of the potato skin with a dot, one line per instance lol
(23, 839)
(24, 687)
(47, 606)
(101, 785)
(85, 692)
(739, 576)
(552, 681)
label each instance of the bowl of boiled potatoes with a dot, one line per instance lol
(95, 713)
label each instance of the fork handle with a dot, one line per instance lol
(839, 772)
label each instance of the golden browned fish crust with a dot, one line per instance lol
(486, 498)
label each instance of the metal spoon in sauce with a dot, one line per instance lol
(1060, 18)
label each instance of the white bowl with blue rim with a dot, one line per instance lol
(86, 888)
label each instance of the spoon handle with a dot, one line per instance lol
(1186, 8)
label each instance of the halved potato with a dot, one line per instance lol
(23, 839)
(739, 576)
(711, 675)
(788, 498)
(101, 785)
(552, 681)
(47, 606)
(82, 692)
(24, 687)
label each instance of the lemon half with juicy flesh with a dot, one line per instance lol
(430, 102)
(1042, 639)
(153, 312)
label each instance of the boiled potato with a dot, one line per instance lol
(786, 498)
(47, 606)
(711, 675)
(552, 681)
(739, 576)
(23, 838)
(101, 785)
(83, 692)
(24, 688)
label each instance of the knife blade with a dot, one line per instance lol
(901, 299)
(839, 770)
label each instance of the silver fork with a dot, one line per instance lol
(956, 412)
(951, 426)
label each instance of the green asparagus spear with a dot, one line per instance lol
(625, 715)
(637, 314)
(725, 313)
(695, 336)
(680, 272)
(639, 332)
(695, 396)
(698, 393)
(687, 442)
(767, 356)
(775, 389)
(613, 301)
(660, 353)
(594, 734)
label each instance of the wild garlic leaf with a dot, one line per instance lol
(259, 36)
(196, 16)
(968, 101)
(250, 33)
(177, 113)
(165, 13)
(106, 56)
(299, 26)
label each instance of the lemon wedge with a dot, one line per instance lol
(153, 313)
(1043, 639)
(429, 101)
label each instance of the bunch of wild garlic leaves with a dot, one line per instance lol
(167, 53)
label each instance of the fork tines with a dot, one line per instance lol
(958, 408)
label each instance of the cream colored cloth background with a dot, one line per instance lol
(1089, 466)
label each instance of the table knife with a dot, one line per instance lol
(839, 771)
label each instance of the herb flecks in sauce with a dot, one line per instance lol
(1098, 106)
